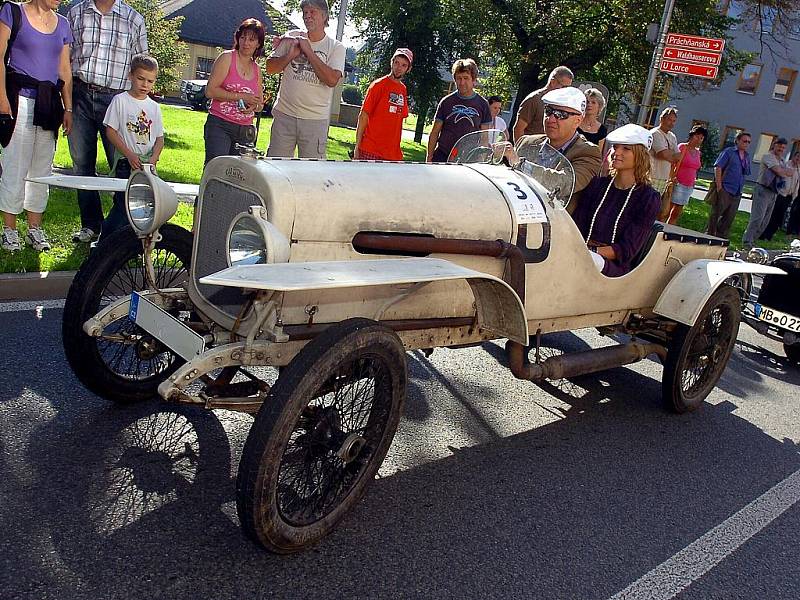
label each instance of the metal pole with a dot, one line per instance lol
(337, 92)
(656, 62)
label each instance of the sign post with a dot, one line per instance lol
(692, 55)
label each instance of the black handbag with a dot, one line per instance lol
(7, 122)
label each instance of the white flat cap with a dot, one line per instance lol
(631, 134)
(571, 97)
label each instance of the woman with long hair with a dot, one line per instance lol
(35, 101)
(686, 172)
(235, 90)
(617, 211)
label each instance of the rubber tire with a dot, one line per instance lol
(83, 301)
(792, 353)
(256, 483)
(725, 298)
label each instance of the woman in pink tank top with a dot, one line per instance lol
(234, 88)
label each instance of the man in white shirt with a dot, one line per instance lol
(663, 155)
(312, 64)
(770, 181)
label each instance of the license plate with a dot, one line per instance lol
(165, 328)
(777, 318)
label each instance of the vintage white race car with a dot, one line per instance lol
(332, 271)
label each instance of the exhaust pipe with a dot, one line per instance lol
(580, 363)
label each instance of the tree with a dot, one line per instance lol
(163, 42)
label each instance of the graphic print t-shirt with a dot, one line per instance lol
(302, 95)
(459, 116)
(386, 104)
(138, 122)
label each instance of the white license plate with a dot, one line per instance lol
(165, 328)
(777, 318)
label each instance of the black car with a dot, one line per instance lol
(193, 92)
(774, 311)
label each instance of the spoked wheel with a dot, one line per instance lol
(125, 364)
(321, 435)
(697, 355)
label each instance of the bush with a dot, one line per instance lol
(351, 94)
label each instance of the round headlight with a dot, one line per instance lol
(141, 202)
(149, 201)
(246, 243)
(758, 256)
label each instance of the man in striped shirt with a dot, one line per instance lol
(107, 33)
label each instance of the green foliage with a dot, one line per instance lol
(710, 148)
(351, 94)
(162, 39)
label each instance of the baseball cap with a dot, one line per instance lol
(631, 134)
(406, 53)
(571, 97)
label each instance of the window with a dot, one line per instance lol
(748, 79)
(203, 67)
(728, 137)
(784, 85)
(764, 142)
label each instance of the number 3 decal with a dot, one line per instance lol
(520, 192)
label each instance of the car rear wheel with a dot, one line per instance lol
(698, 355)
(125, 364)
(321, 435)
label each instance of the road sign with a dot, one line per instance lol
(709, 59)
(681, 68)
(695, 42)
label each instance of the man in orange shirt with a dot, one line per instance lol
(380, 122)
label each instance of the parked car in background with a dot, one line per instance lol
(193, 92)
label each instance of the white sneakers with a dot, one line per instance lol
(83, 235)
(35, 238)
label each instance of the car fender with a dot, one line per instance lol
(688, 291)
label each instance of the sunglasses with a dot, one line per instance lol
(559, 114)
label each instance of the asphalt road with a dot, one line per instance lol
(493, 488)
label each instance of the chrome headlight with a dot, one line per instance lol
(149, 201)
(758, 256)
(795, 245)
(253, 240)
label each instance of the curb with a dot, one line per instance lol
(51, 285)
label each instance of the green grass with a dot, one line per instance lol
(181, 161)
(410, 123)
(695, 216)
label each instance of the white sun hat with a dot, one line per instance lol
(570, 97)
(631, 134)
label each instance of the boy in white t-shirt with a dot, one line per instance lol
(134, 126)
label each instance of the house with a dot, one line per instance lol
(209, 25)
(761, 99)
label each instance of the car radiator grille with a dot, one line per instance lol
(220, 203)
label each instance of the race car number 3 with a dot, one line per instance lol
(524, 202)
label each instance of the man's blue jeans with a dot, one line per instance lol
(87, 121)
(118, 215)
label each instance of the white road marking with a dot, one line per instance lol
(687, 566)
(35, 305)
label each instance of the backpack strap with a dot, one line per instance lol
(16, 15)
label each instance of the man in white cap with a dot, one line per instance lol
(312, 64)
(380, 122)
(531, 109)
(564, 109)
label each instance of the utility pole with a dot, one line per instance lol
(337, 92)
(656, 62)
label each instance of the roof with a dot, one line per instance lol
(213, 22)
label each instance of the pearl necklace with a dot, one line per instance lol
(619, 216)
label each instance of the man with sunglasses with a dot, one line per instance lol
(730, 173)
(563, 112)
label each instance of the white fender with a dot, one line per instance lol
(687, 293)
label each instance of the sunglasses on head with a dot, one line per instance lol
(558, 113)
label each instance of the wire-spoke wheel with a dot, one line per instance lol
(698, 355)
(321, 435)
(125, 364)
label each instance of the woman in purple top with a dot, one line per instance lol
(617, 211)
(35, 99)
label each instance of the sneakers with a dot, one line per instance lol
(11, 240)
(37, 240)
(83, 235)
